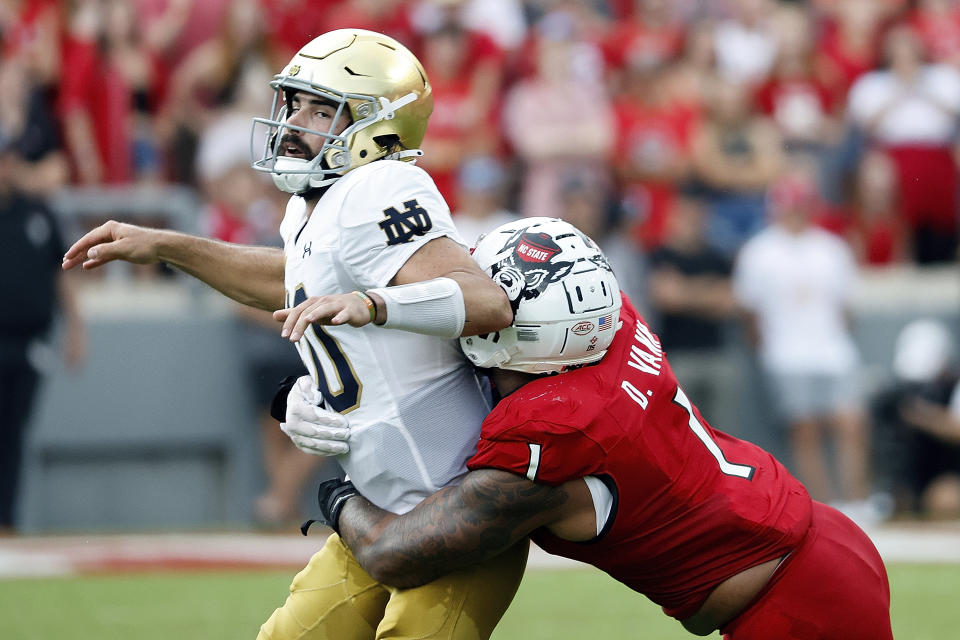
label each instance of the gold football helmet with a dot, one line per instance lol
(376, 78)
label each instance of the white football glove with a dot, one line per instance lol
(314, 429)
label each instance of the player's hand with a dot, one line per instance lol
(313, 429)
(342, 308)
(113, 241)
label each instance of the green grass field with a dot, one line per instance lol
(554, 605)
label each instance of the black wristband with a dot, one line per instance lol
(332, 495)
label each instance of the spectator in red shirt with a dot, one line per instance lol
(130, 54)
(31, 30)
(650, 38)
(653, 147)
(465, 69)
(910, 110)
(794, 96)
(849, 44)
(877, 231)
(107, 79)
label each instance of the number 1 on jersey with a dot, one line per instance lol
(727, 467)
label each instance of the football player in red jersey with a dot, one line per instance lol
(609, 463)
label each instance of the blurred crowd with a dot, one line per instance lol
(616, 112)
(714, 146)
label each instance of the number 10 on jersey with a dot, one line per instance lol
(328, 365)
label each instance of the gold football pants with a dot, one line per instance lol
(333, 598)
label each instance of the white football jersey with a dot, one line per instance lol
(414, 404)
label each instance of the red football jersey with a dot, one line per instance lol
(692, 505)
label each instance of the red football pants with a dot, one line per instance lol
(832, 587)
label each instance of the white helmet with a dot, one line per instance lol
(373, 77)
(565, 298)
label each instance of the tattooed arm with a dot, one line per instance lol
(455, 527)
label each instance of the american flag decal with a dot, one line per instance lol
(605, 322)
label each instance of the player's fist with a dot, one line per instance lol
(311, 428)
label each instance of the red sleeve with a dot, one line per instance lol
(543, 452)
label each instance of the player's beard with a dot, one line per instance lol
(293, 140)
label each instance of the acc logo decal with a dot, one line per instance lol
(402, 226)
(294, 70)
(582, 328)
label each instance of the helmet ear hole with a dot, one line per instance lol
(390, 142)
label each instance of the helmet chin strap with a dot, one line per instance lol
(290, 182)
(502, 356)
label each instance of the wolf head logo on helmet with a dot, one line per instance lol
(531, 255)
(562, 290)
(367, 75)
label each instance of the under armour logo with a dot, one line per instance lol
(402, 226)
(306, 249)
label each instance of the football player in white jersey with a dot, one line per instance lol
(369, 228)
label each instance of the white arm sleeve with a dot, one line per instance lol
(433, 307)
